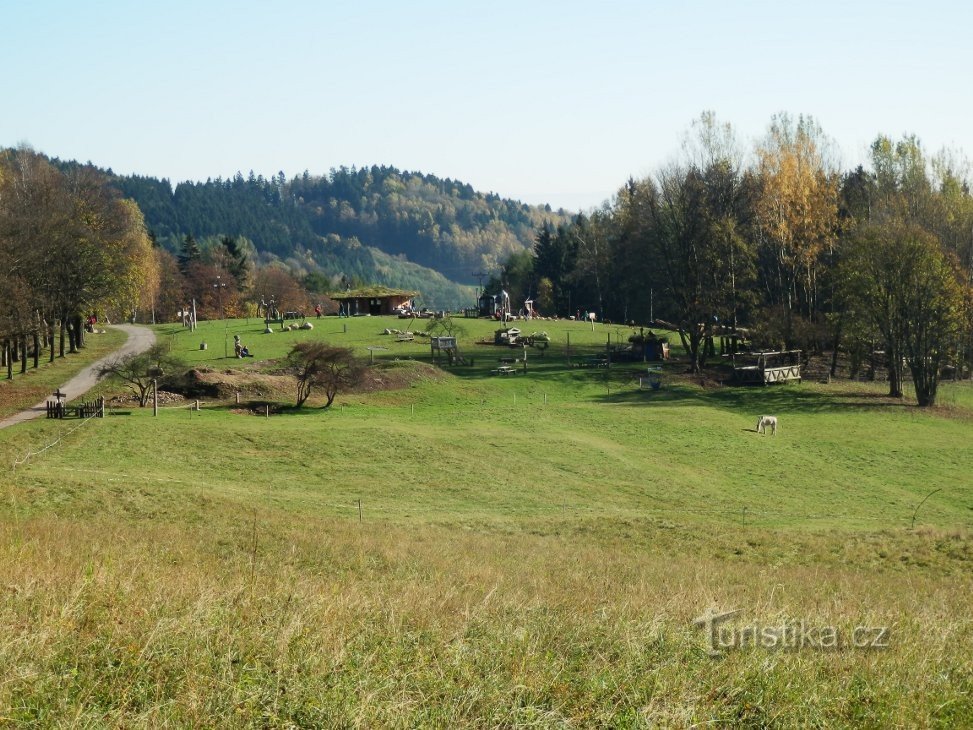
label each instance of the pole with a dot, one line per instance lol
(155, 397)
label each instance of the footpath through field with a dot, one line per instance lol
(139, 340)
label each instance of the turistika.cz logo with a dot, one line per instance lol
(723, 635)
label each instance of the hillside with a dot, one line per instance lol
(375, 224)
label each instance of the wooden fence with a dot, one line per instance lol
(85, 409)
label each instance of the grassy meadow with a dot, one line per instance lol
(469, 549)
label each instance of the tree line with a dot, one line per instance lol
(70, 246)
(779, 244)
(73, 249)
(379, 224)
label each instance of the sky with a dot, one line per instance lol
(545, 102)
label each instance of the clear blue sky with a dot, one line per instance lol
(553, 102)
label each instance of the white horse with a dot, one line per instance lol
(764, 421)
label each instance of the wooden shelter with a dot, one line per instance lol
(373, 300)
(763, 368)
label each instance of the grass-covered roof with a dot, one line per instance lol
(372, 292)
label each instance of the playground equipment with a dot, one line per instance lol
(447, 345)
(503, 307)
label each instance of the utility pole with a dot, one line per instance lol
(220, 286)
(479, 287)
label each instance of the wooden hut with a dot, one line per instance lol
(373, 300)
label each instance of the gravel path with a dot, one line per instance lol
(139, 340)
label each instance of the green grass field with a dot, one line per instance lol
(469, 549)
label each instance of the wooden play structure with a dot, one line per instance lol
(448, 347)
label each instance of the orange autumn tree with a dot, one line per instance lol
(796, 214)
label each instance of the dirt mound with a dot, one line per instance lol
(165, 398)
(272, 386)
(225, 384)
(396, 375)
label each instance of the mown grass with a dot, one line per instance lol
(530, 551)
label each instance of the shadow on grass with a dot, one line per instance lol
(276, 409)
(791, 398)
(581, 368)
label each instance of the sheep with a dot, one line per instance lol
(765, 421)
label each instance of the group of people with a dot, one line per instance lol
(239, 348)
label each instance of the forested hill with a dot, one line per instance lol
(336, 220)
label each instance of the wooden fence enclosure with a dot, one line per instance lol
(85, 409)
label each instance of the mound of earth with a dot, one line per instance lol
(396, 375)
(254, 385)
(225, 384)
(126, 399)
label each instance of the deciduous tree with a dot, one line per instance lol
(320, 366)
(797, 213)
(900, 281)
(139, 370)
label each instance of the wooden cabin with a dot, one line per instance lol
(375, 300)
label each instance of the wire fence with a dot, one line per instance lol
(31, 453)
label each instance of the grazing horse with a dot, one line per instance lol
(764, 421)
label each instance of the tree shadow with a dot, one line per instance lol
(788, 398)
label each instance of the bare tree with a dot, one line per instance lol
(318, 365)
(141, 369)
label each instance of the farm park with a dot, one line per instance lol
(447, 544)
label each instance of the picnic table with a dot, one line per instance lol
(504, 370)
(593, 362)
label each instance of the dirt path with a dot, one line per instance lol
(139, 340)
